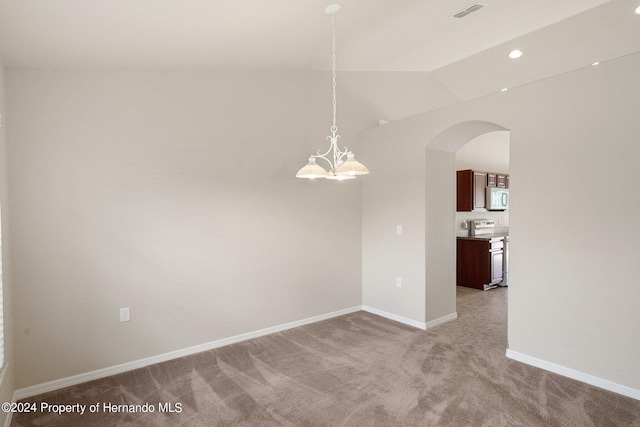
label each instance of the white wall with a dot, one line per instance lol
(7, 374)
(487, 152)
(390, 197)
(573, 267)
(440, 296)
(172, 194)
(392, 96)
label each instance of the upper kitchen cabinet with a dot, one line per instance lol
(497, 180)
(471, 188)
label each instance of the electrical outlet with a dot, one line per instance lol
(398, 230)
(125, 314)
(398, 282)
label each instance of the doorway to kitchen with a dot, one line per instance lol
(482, 224)
(441, 224)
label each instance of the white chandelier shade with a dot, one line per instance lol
(351, 167)
(342, 163)
(312, 170)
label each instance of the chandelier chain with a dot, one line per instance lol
(334, 128)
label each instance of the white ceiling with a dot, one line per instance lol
(467, 55)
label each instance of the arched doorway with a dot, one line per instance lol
(440, 218)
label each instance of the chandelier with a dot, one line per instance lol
(342, 163)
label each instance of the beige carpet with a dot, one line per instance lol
(354, 370)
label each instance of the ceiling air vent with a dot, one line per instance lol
(469, 10)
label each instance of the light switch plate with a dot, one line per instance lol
(125, 314)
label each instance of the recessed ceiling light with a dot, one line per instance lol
(596, 63)
(515, 54)
(504, 89)
(638, 10)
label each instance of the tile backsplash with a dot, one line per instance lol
(501, 219)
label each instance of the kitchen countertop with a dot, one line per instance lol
(490, 236)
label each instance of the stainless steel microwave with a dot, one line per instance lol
(497, 199)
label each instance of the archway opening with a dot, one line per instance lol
(441, 224)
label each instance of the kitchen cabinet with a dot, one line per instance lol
(471, 185)
(496, 253)
(502, 181)
(497, 180)
(480, 262)
(470, 190)
(492, 179)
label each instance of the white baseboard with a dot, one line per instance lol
(443, 319)
(395, 317)
(411, 322)
(573, 374)
(129, 366)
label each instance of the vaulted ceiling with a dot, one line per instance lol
(468, 56)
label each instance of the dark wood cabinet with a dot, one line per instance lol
(464, 190)
(471, 185)
(479, 185)
(480, 262)
(470, 190)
